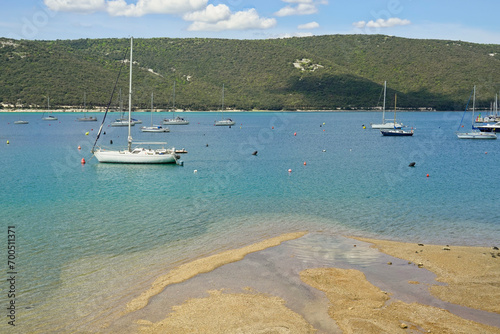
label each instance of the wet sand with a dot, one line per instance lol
(472, 274)
(191, 269)
(317, 283)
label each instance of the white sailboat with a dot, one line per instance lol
(49, 117)
(122, 121)
(474, 134)
(395, 131)
(227, 121)
(153, 128)
(136, 155)
(85, 118)
(384, 124)
(175, 120)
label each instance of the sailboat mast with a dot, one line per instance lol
(130, 98)
(120, 104)
(383, 108)
(496, 104)
(222, 101)
(473, 105)
(151, 108)
(173, 99)
(395, 102)
(474, 100)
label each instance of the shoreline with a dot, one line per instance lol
(219, 296)
(102, 110)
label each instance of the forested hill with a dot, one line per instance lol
(320, 72)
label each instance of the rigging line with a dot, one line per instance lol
(465, 111)
(109, 103)
(380, 96)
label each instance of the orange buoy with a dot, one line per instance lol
(272, 127)
(295, 133)
(289, 170)
(79, 147)
(305, 163)
(427, 175)
(83, 161)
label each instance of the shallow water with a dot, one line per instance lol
(91, 236)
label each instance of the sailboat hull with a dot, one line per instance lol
(87, 119)
(154, 129)
(396, 132)
(136, 156)
(122, 123)
(476, 135)
(387, 126)
(489, 127)
(175, 122)
(224, 122)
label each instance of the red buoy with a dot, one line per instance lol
(295, 133)
(427, 175)
(304, 163)
(289, 170)
(79, 147)
(83, 161)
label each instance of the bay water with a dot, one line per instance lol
(89, 237)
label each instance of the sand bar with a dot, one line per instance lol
(472, 274)
(204, 265)
(275, 287)
(360, 307)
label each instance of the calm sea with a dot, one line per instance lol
(88, 237)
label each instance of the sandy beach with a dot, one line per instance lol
(271, 287)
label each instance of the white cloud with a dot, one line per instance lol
(310, 25)
(243, 20)
(210, 14)
(302, 7)
(381, 23)
(298, 1)
(122, 8)
(79, 6)
(143, 7)
(298, 34)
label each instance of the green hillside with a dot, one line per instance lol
(320, 72)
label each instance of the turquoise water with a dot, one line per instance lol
(91, 236)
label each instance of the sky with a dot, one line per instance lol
(476, 21)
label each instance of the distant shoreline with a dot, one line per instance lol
(215, 111)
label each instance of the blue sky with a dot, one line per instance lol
(255, 19)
